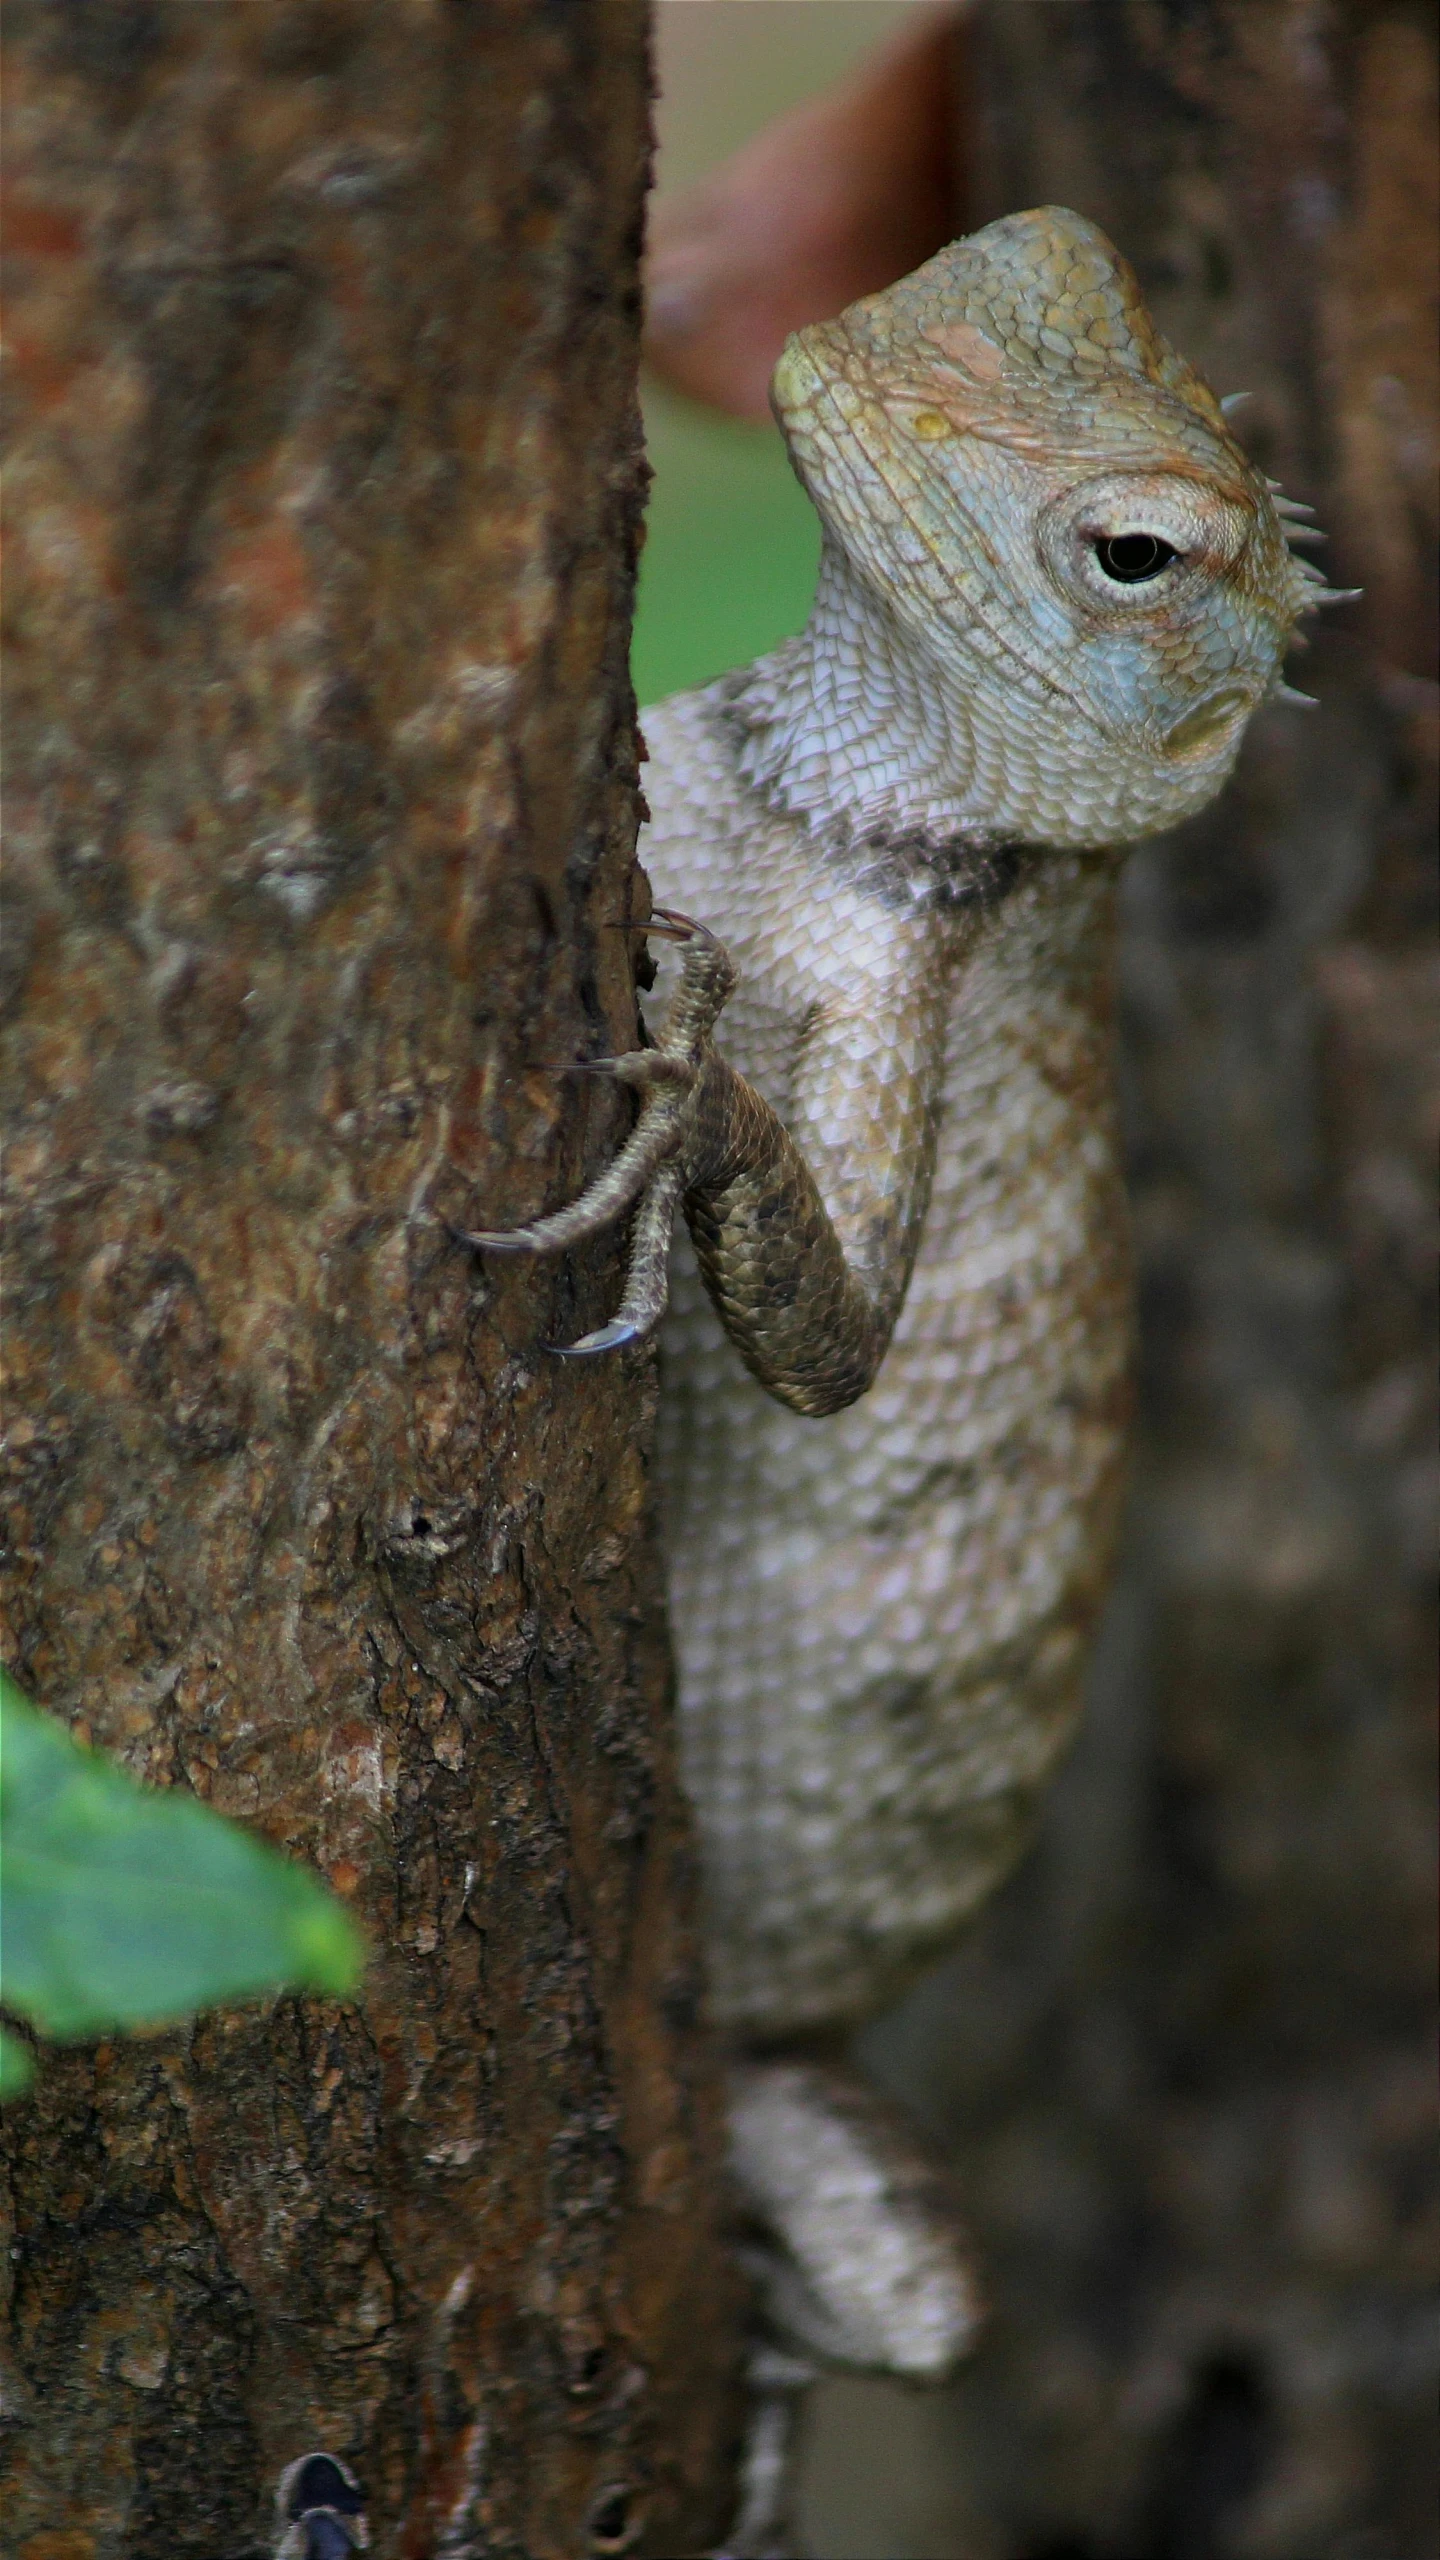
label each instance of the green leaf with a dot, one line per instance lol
(17, 2067)
(123, 1905)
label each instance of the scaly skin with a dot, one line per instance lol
(905, 825)
(879, 1617)
(888, 1542)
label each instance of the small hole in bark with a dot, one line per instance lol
(319, 2480)
(611, 2524)
(319, 2499)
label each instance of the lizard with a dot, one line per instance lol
(1053, 590)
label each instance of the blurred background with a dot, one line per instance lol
(1184, 2063)
(732, 544)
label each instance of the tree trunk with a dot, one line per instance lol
(1185, 2064)
(326, 483)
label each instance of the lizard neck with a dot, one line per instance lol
(868, 730)
(842, 726)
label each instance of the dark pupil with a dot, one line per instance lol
(1129, 557)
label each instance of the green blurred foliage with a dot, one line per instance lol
(124, 1906)
(729, 563)
(731, 548)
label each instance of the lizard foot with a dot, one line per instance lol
(650, 1167)
(859, 2260)
(862, 2258)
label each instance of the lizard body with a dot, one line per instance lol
(1053, 590)
(879, 1615)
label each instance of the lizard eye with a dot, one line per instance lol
(1130, 558)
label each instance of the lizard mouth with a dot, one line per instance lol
(1206, 726)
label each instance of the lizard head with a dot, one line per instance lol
(1047, 500)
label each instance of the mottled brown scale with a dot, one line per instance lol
(800, 1317)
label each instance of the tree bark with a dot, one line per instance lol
(1185, 2063)
(325, 489)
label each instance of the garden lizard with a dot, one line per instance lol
(1052, 591)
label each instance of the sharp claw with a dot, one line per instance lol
(639, 1068)
(491, 1240)
(673, 927)
(611, 1337)
(667, 926)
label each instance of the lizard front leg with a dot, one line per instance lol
(650, 1167)
(807, 1293)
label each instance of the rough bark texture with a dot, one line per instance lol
(325, 490)
(1185, 2064)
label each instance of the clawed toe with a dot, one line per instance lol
(645, 1151)
(671, 926)
(610, 1337)
(639, 1068)
(648, 1174)
(494, 1240)
(667, 925)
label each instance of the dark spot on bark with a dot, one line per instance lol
(109, 42)
(1212, 2464)
(215, 333)
(310, 39)
(16, 946)
(592, 1003)
(321, 2481)
(611, 2523)
(421, 1536)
